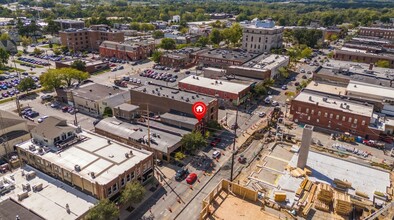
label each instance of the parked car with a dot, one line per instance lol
(242, 159)
(65, 109)
(261, 114)
(191, 178)
(215, 142)
(275, 103)
(46, 97)
(284, 87)
(216, 154)
(42, 119)
(181, 174)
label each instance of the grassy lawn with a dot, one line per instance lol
(7, 100)
(101, 71)
(54, 46)
(35, 65)
(9, 69)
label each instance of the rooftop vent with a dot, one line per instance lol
(92, 175)
(131, 153)
(325, 99)
(347, 107)
(197, 78)
(310, 98)
(172, 96)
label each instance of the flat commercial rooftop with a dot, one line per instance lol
(326, 88)
(106, 159)
(50, 202)
(233, 55)
(266, 62)
(171, 93)
(98, 92)
(335, 103)
(213, 84)
(163, 141)
(360, 68)
(358, 88)
(326, 168)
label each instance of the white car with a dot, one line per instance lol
(42, 119)
(275, 103)
(261, 114)
(216, 154)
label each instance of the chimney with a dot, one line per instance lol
(370, 66)
(305, 143)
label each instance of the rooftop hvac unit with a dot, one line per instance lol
(126, 155)
(77, 168)
(131, 152)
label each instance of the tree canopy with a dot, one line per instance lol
(104, 210)
(26, 84)
(168, 44)
(79, 65)
(4, 56)
(134, 192)
(215, 36)
(56, 78)
(193, 141)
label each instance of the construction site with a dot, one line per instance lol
(298, 181)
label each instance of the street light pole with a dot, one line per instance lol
(235, 137)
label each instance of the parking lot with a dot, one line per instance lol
(10, 81)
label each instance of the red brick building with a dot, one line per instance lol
(360, 56)
(385, 33)
(89, 39)
(221, 58)
(126, 52)
(233, 92)
(183, 58)
(335, 114)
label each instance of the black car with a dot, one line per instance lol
(181, 174)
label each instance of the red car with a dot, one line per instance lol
(215, 142)
(191, 178)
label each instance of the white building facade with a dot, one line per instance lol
(261, 36)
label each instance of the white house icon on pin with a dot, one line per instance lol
(199, 109)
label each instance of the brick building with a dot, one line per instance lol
(363, 56)
(232, 92)
(183, 58)
(126, 52)
(222, 58)
(90, 163)
(386, 33)
(163, 99)
(334, 113)
(89, 39)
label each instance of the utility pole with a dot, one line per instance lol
(235, 138)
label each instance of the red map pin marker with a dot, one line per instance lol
(199, 110)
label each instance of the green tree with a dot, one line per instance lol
(52, 27)
(57, 51)
(133, 192)
(79, 65)
(26, 84)
(202, 41)
(383, 63)
(330, 55)
(179, 156)
(283, 72)
(5, 36)
(37, 51)
(158, 34)
(52, 79)
(107, 112)
(168, 44)
(156, 56)
(193, 141)
(260, 89)
(215, 36)
(104, 210)
(4, 56)
(26, 41)
(306, 53)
